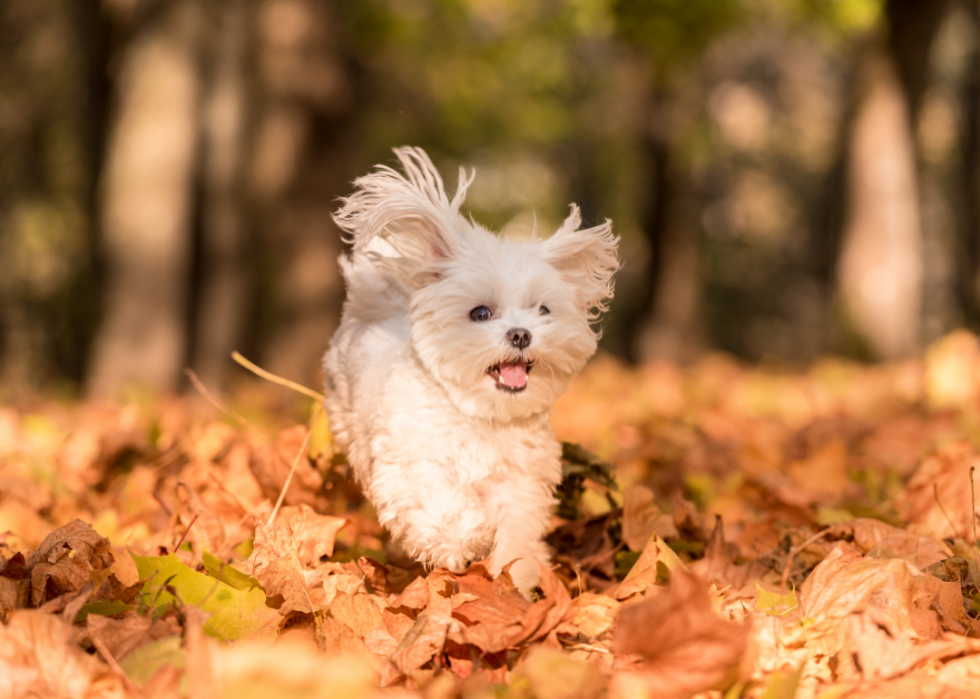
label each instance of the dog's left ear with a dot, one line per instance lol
(586, 258)
(409, 212)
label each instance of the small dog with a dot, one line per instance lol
(453, 346)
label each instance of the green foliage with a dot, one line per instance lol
(236, 614)
(104, 607)
(675, 33)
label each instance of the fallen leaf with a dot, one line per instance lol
(845, 581)
(313, 533)
(875, 537)
(881, 650)
(235, 614)
(489, 600)
(360, 611)
(39, 657)
(120, 636)
(275, 563)
(551, 674)
(655, 564)
(936, 501)
(271, 466)
(639, 516)
(594, 614)
(65, 560)
(685, 647)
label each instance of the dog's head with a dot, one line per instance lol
(501, 325)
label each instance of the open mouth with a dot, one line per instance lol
(511, 376)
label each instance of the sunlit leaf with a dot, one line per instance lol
(235, 614)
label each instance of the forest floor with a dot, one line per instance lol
(722, 531)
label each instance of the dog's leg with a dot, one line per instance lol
(519, 535)
(437, 525)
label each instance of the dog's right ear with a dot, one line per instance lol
(411, 212)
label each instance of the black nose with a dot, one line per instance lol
(519, 337)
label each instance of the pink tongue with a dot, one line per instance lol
(513, 374)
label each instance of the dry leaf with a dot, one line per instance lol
(685, 647)
(275, 563)
(879, 539)
(39, 657)
(937, 498)
(271, 466)
(551, 674)
(314, 534)
(65, 561)
(639, 516)
(594, 614)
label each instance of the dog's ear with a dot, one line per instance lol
(411, 212)
(586, 258)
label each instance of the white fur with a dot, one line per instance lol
(457, 468)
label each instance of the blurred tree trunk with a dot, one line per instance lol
(968, 253)
(300, 165)
(669, 322)
(147, 204)
(223, 285)
(50, 122)
(880, 269)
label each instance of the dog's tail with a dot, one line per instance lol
(404, 223)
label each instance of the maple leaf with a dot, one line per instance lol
(234, 614)
(313, 533)
(275, 563)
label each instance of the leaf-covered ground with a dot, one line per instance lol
(721, 531)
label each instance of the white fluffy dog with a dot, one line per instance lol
(453, 347)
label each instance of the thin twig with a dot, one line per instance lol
(219, 404)
(949, 520)
(268, 376)
(798, 549)
(184, 535)
(292, 470)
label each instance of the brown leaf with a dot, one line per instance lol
(823, 474)
(275, 563)
(415, 596)
(39, 657)
(120, 636)
(424, 640)
(112, 589)
(883, 540)
(314, 534)
(594, 614)
(685, 647)
(271, 466)
(361, 612)
(654, 564)
(881, 650)
(639, 516)
(65, 560)
(540, 619)
(493, 600)
(937, 498)
(718, 564)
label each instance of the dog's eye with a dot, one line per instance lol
(480, 313)
(543, 311)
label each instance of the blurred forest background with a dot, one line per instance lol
(790, 177)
